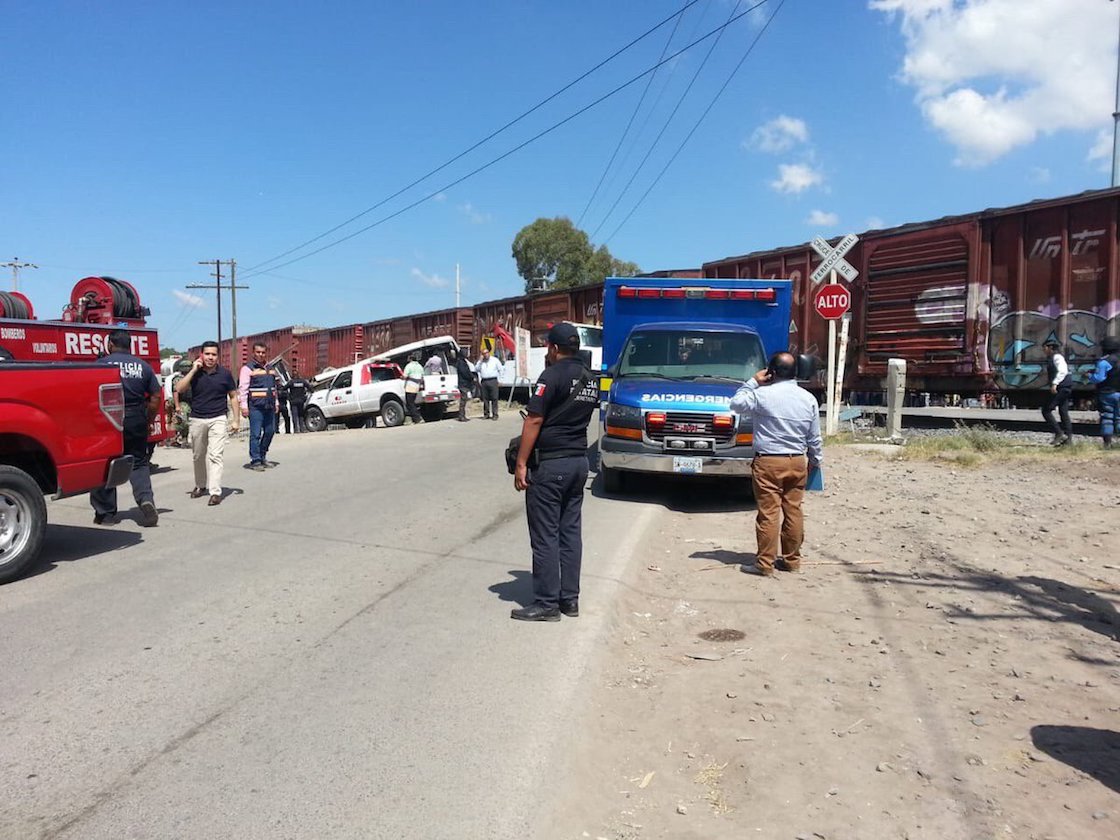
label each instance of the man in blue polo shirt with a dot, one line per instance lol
(213, 397)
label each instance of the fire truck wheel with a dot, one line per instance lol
(23, 520)
(316, 422)
(392, 413)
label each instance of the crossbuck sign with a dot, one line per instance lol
(833, 258)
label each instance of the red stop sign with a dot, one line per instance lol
(831, 301)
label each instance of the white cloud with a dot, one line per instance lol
(1102, 150)
(875, 223)
(779, 135)
(795, 178)
(472, 213)
(274, 302)
(821, 218)
(992, 75)
(440, 197)
(187, 299)
(432, 280)
(1039, 175)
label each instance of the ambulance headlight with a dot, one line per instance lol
(624, 415)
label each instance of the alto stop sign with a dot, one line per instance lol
(832, 301)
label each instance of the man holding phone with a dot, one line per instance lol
(787, 442)
(214, 397)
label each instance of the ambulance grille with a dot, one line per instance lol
(689, 424)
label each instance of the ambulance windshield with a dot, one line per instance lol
(687, 354)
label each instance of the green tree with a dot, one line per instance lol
(557, 254)
(167, 352)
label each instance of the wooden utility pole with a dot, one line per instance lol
(15, 265)
(218, 287)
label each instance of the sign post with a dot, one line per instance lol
(521, 342)
(832, 302)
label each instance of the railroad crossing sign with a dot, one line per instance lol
(833, 258)
(832, 301)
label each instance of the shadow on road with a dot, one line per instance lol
(517, 591)
(730, 558)
(685, 494)
(1095, 752)
(1036, 597)
(67, 543)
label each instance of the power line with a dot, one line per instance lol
(512, 151)
(664, 88)
(696, 125)
(665, 127)
(485, 139)
(626, 130)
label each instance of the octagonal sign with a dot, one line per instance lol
(831, 301)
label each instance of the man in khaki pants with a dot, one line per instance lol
(213, 396)
(787, 441)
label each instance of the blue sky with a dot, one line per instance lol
(140, 138)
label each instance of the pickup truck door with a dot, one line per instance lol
(342, 398)
(375, 382)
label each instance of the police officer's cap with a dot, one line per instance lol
(564, 335)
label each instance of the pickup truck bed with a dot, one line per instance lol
(60, 434)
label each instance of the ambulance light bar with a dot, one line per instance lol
(680, 293)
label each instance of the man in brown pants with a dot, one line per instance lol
(787, 441)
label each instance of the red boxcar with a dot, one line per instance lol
(968, 301)
(458, 323)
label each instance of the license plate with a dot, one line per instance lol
(444, 398)
(687, 465)
(687, 427)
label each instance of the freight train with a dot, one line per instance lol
(966, 300)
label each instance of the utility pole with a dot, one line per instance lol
(15, 265)
(233, 313)
(1116, 127)
(218, 287)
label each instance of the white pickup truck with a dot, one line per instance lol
(441, 389)
(356, 394)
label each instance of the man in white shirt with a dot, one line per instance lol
(413, 382)
(488, 370)
(1061, 390)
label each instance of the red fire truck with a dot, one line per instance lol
(98, 305)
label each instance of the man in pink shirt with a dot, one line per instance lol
(260, 403)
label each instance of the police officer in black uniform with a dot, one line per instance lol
(552, 470)
(142, 396)
(297, 398)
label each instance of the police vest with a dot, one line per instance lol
(1111, 381)
(1052, 371)
(262, 387)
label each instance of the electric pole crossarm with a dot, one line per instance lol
(15, 265)
(217, 288)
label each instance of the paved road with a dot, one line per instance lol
(328, 654)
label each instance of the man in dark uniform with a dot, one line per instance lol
(297, 397)
(466, 383)
(554, 442)
(282, 400)
(142, 396)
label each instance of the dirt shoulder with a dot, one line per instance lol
(946, 666)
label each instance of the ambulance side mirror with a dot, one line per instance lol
(807, 366)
